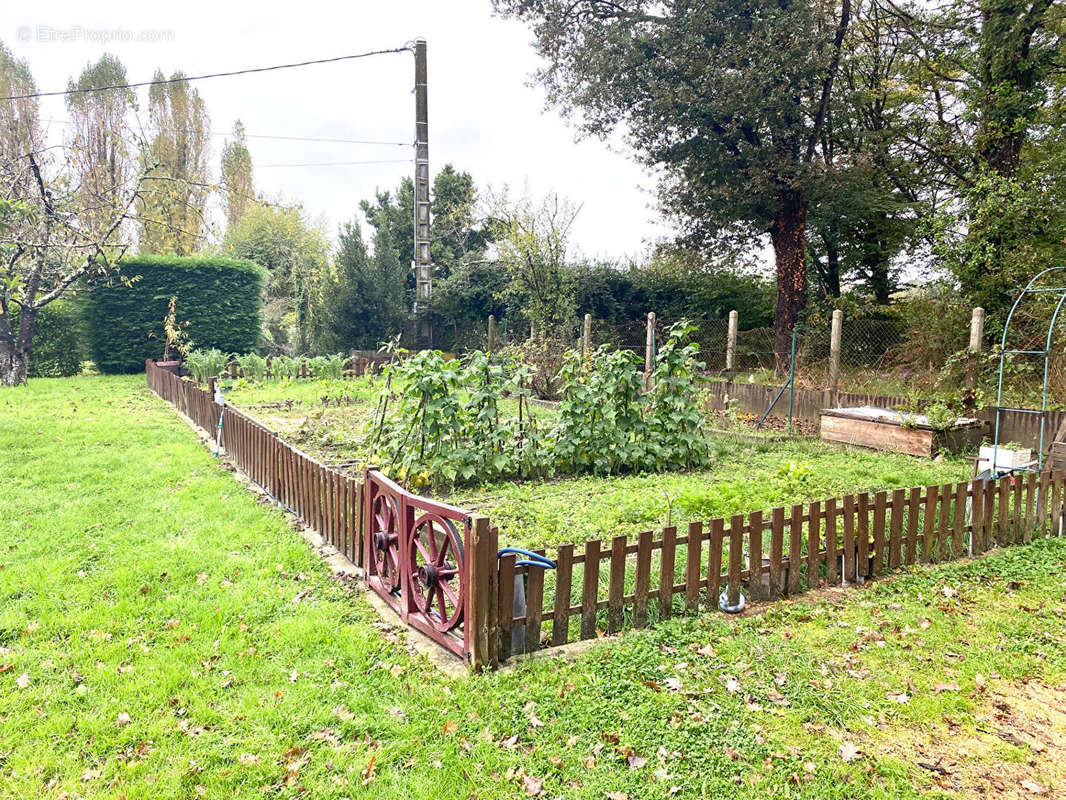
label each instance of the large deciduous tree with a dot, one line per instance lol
(173, 210)
(729, 99)
(49, 239)
(238, 190)
(99, 154)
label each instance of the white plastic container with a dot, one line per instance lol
(1006, 458)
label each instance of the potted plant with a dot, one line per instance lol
(177, 340)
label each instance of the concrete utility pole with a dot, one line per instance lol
(423, 267)
(731, 342)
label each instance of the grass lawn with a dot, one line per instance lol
(163, 634)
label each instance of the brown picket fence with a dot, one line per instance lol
(511, 605)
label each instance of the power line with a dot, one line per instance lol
(338, 163)
(248, 71)
(266, 136)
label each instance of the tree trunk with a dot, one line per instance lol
(788, 234)
(13, 365)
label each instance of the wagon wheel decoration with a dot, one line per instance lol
(437, 561)
(385, 541)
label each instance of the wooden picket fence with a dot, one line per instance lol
(603, 587)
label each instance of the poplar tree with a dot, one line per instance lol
(237, 186)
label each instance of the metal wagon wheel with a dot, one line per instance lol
(437, 563)
(385, 540)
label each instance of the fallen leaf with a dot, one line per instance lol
(1033, 786)
(370, 772)
(617, 796)
(979, 682)
(450, 727)
(636, 762)
(248, 758)
(23, 680)
(123, 719)
(534, 786)
(732, 685)
(848, 751)
(343, 713)
(898, 697)
(950, 686)
(590, 762)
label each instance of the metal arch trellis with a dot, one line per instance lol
(1034, 287)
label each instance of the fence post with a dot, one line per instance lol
(731, 342)
(977, 331)
(649, 351)
(830, 398)
(532, 331)
(586, 336)
(492, 333)
(482, 579)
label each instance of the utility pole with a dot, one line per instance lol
(423, 267)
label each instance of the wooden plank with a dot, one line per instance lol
(813, 546)
(1056, 503)
(736, 558)
(693, 554)
(1041, 502)
(506, 612)
(958, 530)
(755, 569)
(666, 572)
(715, 540)
(831, 549)
(880, 509)
(862, 537)
(991, 495)
(849, 540)
(877, 435)
(977, 516)
(895, 528)
(483, 611)
(616, 589)
(564, 570)
(590, 589)
(795, 549)
(929, 526)
(943, 532)
(1003, 516)
(1014, 530)
(643, 579)
(777, 538)
(1030, 508)
(913, 508)
(534, 607)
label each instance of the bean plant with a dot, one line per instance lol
(329, 367)
(441, 421)
(253, 366)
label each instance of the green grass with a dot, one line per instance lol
(139, 579)
(745, 476)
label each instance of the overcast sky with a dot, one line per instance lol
(484, 117)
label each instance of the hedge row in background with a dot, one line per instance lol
(220, 298)
(58, 339)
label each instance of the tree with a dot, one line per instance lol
(48, 240)
(531, 245)
(172, 213)
(728, 99)
(238, 189)
(368, 306)
(100, 157)
(296, 254)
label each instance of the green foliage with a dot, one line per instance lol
(206, 364)
(253, 366)
(220, 298)
(328, 367)
(58, 340)
(284, 367)
(940, 417)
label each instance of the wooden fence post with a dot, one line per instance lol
(482, 578)
(649, 350)
(830, 399)
(586, 336)
(977, 330)
(492, 333)
(731, 342)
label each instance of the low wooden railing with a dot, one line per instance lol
(510, 607)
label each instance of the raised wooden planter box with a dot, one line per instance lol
(884, 429)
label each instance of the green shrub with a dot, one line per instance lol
(220, 298)
(253, 366)
(58, 340)
(282, 367)
(330, 367)
(206, 364)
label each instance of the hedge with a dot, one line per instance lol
(220, 298)
(58, 339)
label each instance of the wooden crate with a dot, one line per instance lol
(884, 429)
(1057, 457)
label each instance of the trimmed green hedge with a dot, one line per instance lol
(220, 298)
(58, 339)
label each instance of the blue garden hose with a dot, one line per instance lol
(532, 559)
